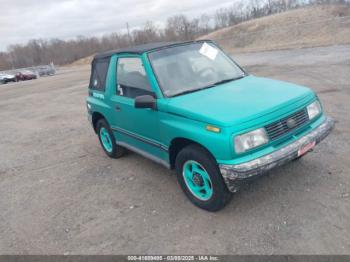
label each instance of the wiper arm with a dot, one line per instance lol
(186, 92)
(220, 82)
(227, 80)
(209, 86)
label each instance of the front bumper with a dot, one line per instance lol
(234, 174)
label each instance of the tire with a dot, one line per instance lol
(200, 179)
(107, 140)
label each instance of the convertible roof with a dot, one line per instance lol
(140, 49)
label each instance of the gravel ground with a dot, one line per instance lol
(60, 194)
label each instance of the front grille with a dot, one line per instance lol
(287, 124)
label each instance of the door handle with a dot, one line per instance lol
(117, 108)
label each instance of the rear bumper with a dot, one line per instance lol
(234, 174)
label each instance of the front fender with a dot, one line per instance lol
(174, 126)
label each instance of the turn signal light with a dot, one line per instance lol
(213, 129)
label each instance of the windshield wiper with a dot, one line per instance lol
(209, 86)
(186, 92)
(227, 80)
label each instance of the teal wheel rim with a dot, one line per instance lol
(106, 140)
(197, 180)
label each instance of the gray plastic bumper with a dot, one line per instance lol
(234, 174)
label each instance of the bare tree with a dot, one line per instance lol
(177, 28)
(204, 24)
(221, 18)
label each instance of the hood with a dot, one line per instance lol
(238, 101)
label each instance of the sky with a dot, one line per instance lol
(22, 20)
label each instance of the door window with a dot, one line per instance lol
(131, 78)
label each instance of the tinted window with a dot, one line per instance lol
(99, 74)
(131, 78)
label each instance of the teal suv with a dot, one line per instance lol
(190, 107)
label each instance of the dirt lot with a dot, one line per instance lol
(60, 194)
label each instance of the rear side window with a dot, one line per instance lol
(99, 74)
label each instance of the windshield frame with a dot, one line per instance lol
(245, 73)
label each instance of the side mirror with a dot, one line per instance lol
(145, 101)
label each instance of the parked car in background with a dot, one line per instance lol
(46, 70)
(5, 78)
(25, 75)
(190, 107)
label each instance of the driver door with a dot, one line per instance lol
(136, 128)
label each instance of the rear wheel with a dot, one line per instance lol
(107, 140)
(200, 178)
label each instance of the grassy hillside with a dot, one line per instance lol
(311, 26)
(305, 27)
(83, 61)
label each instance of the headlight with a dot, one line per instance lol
(250, 140)
(314, 109)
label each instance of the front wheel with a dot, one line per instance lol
(200, 178)
(107, 140)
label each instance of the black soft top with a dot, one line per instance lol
(140, 49)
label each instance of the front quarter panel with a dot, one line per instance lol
(176, 126)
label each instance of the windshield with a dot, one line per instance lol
(192, 67)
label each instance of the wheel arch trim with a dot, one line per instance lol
(177, 144)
